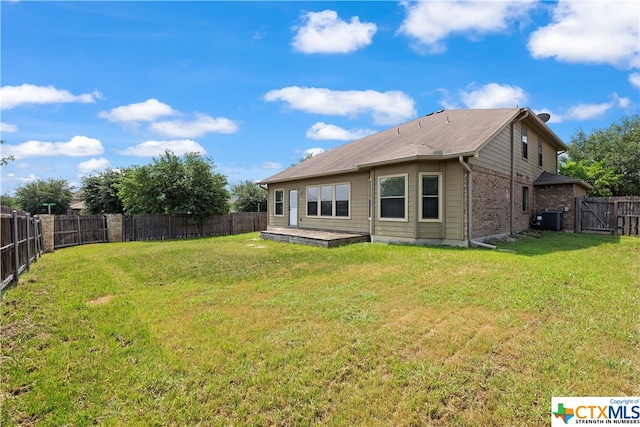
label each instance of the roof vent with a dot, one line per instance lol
(544, 117)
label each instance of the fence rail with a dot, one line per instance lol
(609, 215)
(160, 227)
(21, 243)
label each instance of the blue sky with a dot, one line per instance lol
(255, 85)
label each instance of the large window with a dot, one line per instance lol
(279, 204)
(393, 200)
(329, 200)
(430, 193)
(525, 143)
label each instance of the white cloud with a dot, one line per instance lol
(271, 165)
(15, 96)
(7, 128)
(156, 148)
(634, 79)
(146, 111)
(494, 95)
(603, 32)
(385, 107)
(324, 32)
(92, 166)
(594, 111)
(78, 146)
(202, 125)
(324, 131)
(313, 151)
(431, 22)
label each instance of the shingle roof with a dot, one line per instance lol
(440, 135)
(547, 178)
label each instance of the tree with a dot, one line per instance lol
(33, 196)
(9, 201)
(100, 192)
(249, 197)
(604, 180)
(7, 159)
(617, 149)
(173, 185)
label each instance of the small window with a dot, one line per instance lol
(392, 197)
(342, 200)
(312, 201)
(525, 199)
(326, 200)
(525, 143)
(279, 205)
(430, 197)
(539, 152)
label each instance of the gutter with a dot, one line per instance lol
(472, 242)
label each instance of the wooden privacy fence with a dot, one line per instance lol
(73, 230)
(21, 243)
(611, 215)
(160, 227)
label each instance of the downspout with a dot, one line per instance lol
(513, 172)
(470, 207)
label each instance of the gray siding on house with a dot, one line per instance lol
(454, 201)
(496, 154)
(358, 220)
(404, 229)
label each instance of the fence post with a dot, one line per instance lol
(36, 243)
(16, 251)
(104, 228)
(28, 220)
(79, 233)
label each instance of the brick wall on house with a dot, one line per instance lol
(490, 202)
(522, 216)
(557, 197)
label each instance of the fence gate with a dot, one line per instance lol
(610, 215)
(72, 230)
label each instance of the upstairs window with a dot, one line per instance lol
(393, 200)
(539, 152)
(525, 143)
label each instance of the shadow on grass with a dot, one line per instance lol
(545, 242)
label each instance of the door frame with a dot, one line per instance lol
(293, 208)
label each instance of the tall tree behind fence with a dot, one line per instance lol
(159, 227)
(21, 243)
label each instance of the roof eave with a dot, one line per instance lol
(424, 157)
(314, 175)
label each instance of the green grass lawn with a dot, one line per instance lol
(237, 331)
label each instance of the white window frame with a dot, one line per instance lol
(440, 197)
(275, 202)
(406, 197)
(333, 186)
